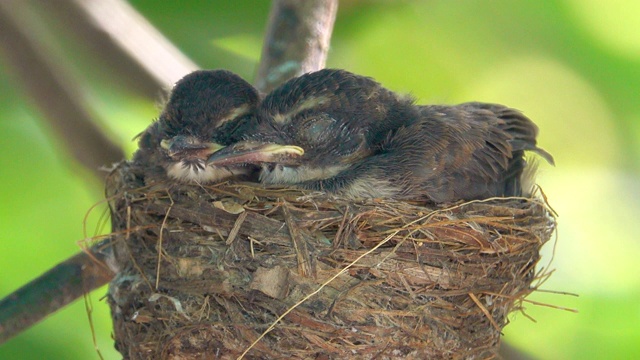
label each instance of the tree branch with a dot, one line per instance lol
(103, 49)
(117, 22)
(296, 41)
(52, 89)
(54, 289)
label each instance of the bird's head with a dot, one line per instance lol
(315, 126)
(312, 146)
(206, 110)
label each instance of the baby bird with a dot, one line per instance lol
(448, 153)
(334, 115)
(207, 110)
(345, 134)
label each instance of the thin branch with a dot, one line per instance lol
(136, 37)
(52, 89)
(54, 289)
(72, 22)
(296, 41)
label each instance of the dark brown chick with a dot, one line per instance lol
(345, 134)
(207, 110)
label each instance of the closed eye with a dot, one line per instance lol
(316, 129)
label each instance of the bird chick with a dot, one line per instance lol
(359, 140)
(206, 110)
(337, 118)
(448, 153)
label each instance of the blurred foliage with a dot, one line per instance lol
(573, 66)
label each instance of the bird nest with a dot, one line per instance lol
(235, 270)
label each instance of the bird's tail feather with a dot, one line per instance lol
(519, 175)
(523, 131)
(521, 172)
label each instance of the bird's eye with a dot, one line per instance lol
(165, 144)
(317, 129)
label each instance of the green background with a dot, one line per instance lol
(573, 66)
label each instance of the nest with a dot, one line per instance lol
(239, 271)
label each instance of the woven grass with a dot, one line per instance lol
(236, 270)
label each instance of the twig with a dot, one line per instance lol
(296, 41)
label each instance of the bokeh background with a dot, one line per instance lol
(573, 66)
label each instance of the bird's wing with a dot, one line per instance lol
(485, 145)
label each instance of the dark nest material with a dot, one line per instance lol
(254, 273)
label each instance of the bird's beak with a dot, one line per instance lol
(186, 146)
(251, 152)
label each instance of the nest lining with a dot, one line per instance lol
(394, 280)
